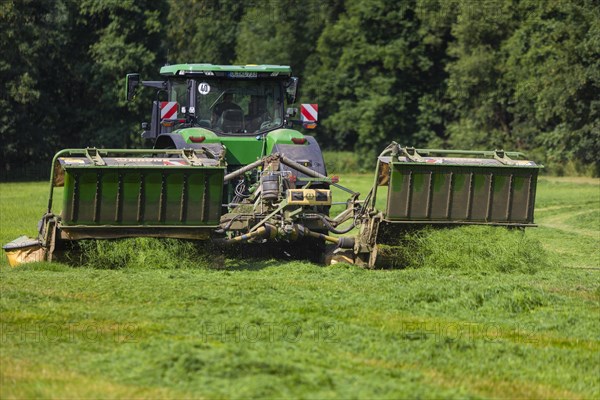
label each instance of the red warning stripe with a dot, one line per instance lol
(309, 112)
(168, 109)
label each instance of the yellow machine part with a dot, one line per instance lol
(309, 197)
(24, 250)
(25, 255)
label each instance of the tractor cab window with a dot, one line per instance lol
(179, 92)
(239, 106)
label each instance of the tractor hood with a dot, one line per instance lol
(242, 150)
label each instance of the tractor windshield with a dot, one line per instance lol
(239, 106)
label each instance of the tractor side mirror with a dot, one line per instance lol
(291, 89)
(131, 82)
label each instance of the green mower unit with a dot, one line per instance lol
(227, 165)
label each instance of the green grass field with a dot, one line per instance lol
(478, 313)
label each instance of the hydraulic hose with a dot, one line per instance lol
(332, 228)
(226, 227)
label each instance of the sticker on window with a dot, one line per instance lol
(204, 88)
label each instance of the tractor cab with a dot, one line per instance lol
(225, 100)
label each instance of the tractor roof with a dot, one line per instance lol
(233, 71)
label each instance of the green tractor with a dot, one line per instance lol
(235, 111)
(227, 166)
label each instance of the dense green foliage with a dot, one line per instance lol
(481, 313)
(63, 73)
(518, 74)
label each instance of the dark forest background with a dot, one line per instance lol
(514, 74)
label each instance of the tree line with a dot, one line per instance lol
(469, 74)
